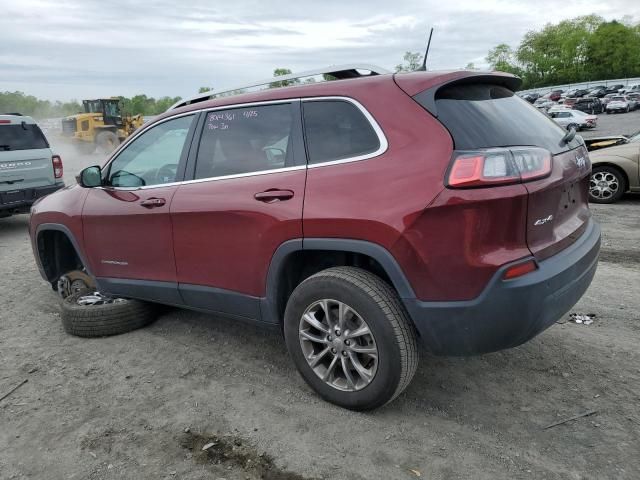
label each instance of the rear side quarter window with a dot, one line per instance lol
(337, 130)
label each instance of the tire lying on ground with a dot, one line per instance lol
(87, 313)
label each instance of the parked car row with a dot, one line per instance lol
(593, 101)
(599, 91)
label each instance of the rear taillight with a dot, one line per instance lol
(498, 166)
(57, 166)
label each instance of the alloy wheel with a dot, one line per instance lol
(338, 345)
(603, 185)
(96, 298)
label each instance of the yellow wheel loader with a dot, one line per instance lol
(101, 126)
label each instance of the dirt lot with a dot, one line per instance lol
(142, 405)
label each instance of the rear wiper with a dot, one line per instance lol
(570, 135)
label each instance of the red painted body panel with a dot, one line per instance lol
(457, 244)
(564, 195)
(63, 207)
(225, 238)
(127, 240)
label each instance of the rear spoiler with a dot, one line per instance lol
(427, 97)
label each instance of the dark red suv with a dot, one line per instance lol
(360, 216)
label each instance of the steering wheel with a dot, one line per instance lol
(166, 173)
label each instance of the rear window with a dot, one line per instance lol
(485, 115)
(21, 137)
(337, 130)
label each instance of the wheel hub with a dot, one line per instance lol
(603, 185)
(338, 345)
(73, 282)
(96, 298)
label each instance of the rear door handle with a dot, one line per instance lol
(270, 196)
(153, 202)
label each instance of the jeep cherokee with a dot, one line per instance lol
(362, 216)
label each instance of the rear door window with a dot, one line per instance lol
(245, 140)
(21, 137)
(337, 130)
(486, 115)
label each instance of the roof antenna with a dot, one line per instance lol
(423, 68)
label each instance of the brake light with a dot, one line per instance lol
(519, 270)
(57, 166)
(498, 166)
(5, 121)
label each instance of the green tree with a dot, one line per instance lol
(580, 49)
(279, 72)
(204, 89)
(19, 102)
(412, 61)
(614, 51)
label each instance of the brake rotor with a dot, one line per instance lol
(74, 281)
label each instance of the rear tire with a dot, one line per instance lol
(366, 304)
(104, 319)
(607, 185)
(107, 141)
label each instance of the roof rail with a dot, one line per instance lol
(338, 71)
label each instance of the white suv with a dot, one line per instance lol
(618, 104)
(28, 168)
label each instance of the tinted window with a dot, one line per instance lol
(336, 130)
(17, 137)
(153, 157)
(245, 140)
(483, 116)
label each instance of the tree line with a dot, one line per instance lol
(19, 102)
(582, 49)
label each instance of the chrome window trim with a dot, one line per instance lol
(382, 139)
(384, 144)
(210, 179)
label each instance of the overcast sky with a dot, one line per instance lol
(89, 48)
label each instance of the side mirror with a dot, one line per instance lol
(90, 177)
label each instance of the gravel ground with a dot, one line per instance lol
(142, 405)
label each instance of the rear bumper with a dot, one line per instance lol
(21, 199)
(508, 313)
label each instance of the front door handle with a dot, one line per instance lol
(153, 202)
(270, 196)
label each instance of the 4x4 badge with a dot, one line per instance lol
(542, 221)
(581, 161)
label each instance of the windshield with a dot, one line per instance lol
(92, 106)
(21, 137)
